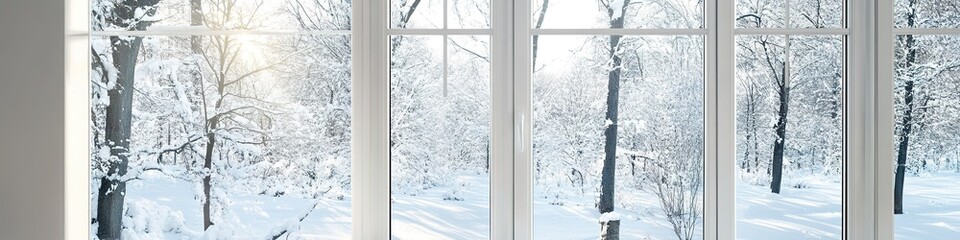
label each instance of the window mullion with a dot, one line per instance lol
(858, 88)
(522, 106)
(502, 198)
(725, 101)
(710, 207)
(371, 131)
(883, 131)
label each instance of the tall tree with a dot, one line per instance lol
(782, 85)
(906, 125)
(749, 105)
(196, 19)
(128, 15)
(233, 112)
(536, 38)
(611, 229)
(765, 52)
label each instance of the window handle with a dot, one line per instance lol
(519, 131)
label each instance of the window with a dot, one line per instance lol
(220, 119)
(790, 85)
(440, 119)
(924, 122)
(536, 119)
(617, 119)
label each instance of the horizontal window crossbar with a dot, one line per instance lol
(620, 31)
(190, 32)
(926, 31)
(408, 31)
(791, 31)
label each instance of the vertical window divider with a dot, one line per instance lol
(522, 104)
(710, 204)
(76, 218)
(371, 121)
(859, 198)
(884, 119)
(502, 141)
(725, 101)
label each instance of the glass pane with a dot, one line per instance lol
(927, 13)
(469, 14)
(113, 15)
(440, 133)
(227, 136)
(657, 177)
(416, 13)
(927, 136)
(816, 13)
(637, 14)
(789, 137)
(761, 14)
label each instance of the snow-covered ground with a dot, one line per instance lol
(931, 206)
(813, 212)
(429, 216)
(164, 208)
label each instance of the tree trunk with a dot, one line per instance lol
(745, 165)
(536, 38)
(904, 141)
(781, 129)
(488, 157)
(611, 229)
(208, 170)
(110, 195)
(196, 19)
(902, 146)
(756, 149)
(213, 123)
(610, 133)
(907, 121)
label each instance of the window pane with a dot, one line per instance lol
(658, 169)
(440, 133)
(789, 137)
(927, 157)
(761, 14)
(264, 120)
(816, 13)
(429, 14)
(803, 13)
(416, 13)
(927, 13)
(470, 14)
(638, 14)
(221, 15)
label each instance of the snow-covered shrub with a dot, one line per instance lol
(145, 219)
(455, 192)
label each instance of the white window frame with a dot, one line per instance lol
(868, 118)
(884, 114)
(523, 159)
(76, 121)
(851, 30)
(858, 204)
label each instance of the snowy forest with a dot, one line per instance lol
(227, 133)
(220, 136)
(927, 110)
(790, 122)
